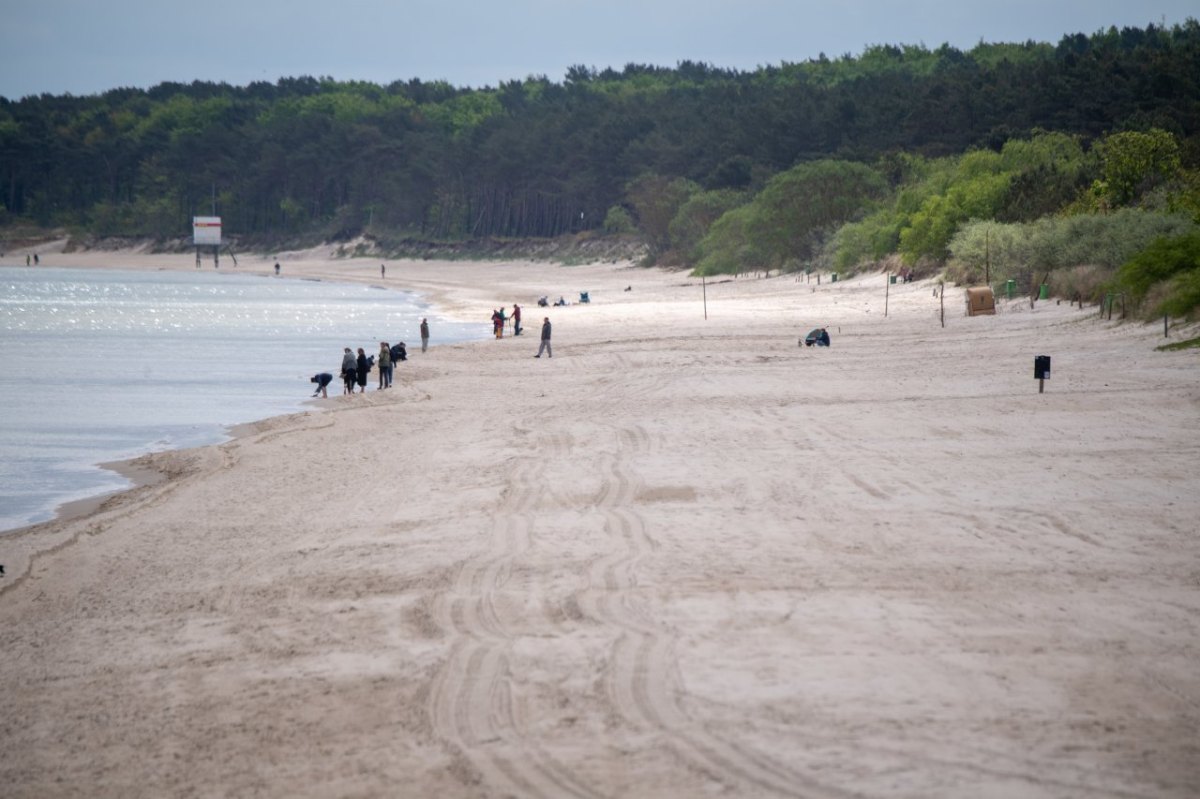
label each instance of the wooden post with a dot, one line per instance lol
(942, 301)
(704, 288)
(1165, 333)
(1041, 384)
(887, 278)
(987, 257)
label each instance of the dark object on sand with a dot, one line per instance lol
(818, 336)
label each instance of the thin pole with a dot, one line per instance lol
(704, 288)
(987, 256)
(1165, 333)
(886, 291)
(942, 301)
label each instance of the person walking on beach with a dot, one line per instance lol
(545, 345)
(424, 335)
(516, 317)
(322, 380)
(361, 369)
(349, 370)
(385, 365)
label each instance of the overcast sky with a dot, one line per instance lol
(89, 46)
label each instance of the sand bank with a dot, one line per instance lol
(683, 557)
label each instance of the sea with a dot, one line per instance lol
(101, 365)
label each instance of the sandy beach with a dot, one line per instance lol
(683, 557)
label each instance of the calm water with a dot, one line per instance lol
(100, 365)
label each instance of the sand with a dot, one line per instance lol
(684, 557)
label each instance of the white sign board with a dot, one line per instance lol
(206, 230)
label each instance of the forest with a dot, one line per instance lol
(1066, 162)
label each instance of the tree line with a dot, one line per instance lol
(536, 158)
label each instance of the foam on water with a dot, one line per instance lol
(103, 365)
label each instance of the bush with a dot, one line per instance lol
(1167, 264)
(1100, 241)
(618, 221)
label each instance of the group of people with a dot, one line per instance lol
(357, 366)
(499, 318)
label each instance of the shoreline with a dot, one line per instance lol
(134, 261)
(683, 556)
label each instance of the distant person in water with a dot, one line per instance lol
(424, 335)
(362, 368)
(322, 380)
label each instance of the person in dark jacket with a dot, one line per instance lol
(545, 345)
(424, 335)
(362, 367)
(349, 370)
(322, 380)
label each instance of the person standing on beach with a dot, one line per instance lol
(497, 324)
(361, 370)
(516, 317)
(385, 365)
(349, 370)
(545, 345)
(382, 271)
(424, 335)
(277, 268)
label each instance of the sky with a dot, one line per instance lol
(84, 47)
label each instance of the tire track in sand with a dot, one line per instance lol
(643, 680)
(472, 706)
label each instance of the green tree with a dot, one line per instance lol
(656, 200)
(696, 216)
(1133, 163)
(799, 206)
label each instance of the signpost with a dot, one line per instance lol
(206, 232)
(1041, 371)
